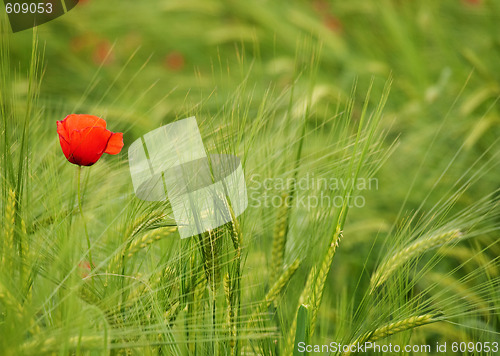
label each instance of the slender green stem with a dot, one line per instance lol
(83, 217)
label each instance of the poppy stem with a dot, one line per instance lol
(83, 217)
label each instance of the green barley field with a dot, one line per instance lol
(368, 134)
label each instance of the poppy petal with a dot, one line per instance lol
(66, 147)
(88, 145)
(115, 144)
(79, 122)
(61, 130)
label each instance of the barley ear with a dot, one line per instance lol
(8, 250)
(52, 344)
(148, 239)
(276, 290)
(138, 244)
(279, 239)
(319, 287)
(211, 252)
(10, 302)
(313, 291)
(394, 328)
(414, 249)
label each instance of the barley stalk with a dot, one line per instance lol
(304, 296)
(414, 249)
(394, 328)
(235, 283)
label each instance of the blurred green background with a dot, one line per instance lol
(147, 62)
(141, 64)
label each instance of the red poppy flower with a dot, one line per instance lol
(85, 268)
(103, 53)
(175, 61)
(84, 139)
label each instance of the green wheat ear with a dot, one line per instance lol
(148, 239)
(417, 248)
(10, 303)
(8, 249)
(52, 344)
(279, 239)
(313, 291)
(275, 290)
(233, 284)
(133, 244)
(212, 243)
(323, 274)
(394, 328)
